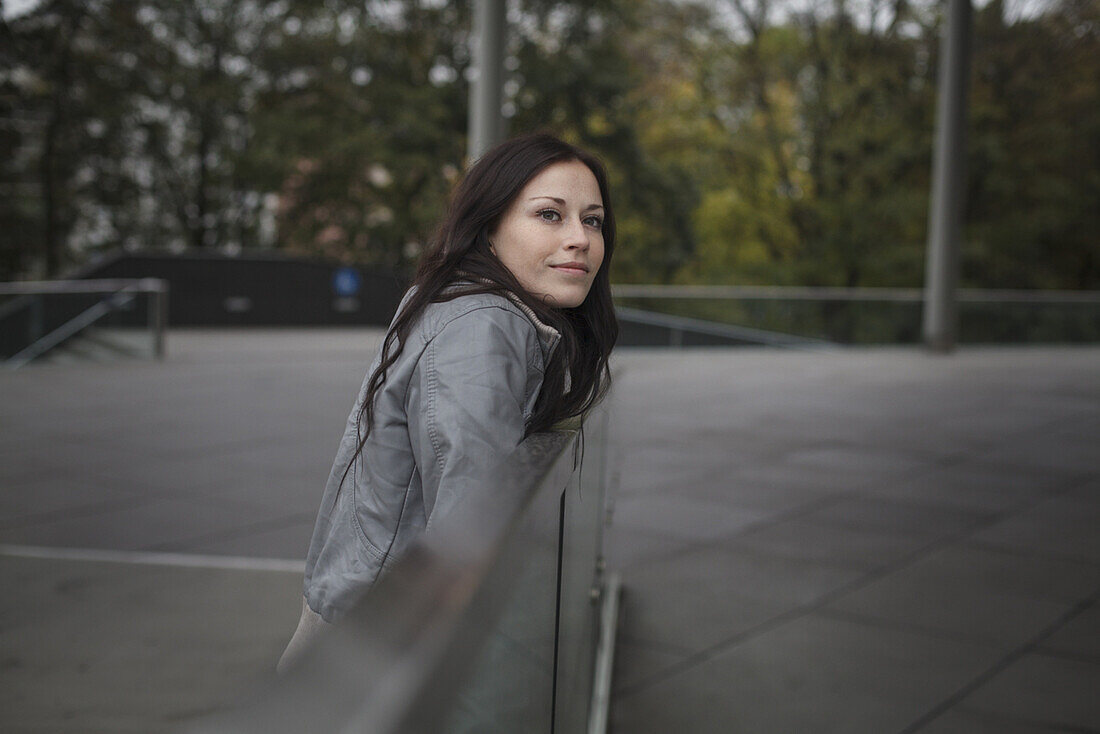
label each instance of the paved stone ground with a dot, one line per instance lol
(859, 541)
(867, 541)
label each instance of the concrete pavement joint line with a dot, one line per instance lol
(181, 560)
(1001, 665)
(1070, 657)
(1038, 724)
(1012, 550)
(882, 623)
(665, 648)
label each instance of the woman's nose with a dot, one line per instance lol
(576, 236)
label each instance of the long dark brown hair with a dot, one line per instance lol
(461, 252)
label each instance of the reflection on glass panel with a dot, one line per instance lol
(510, 685)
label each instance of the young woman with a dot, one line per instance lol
(505, 332)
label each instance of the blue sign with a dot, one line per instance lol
(346, 281)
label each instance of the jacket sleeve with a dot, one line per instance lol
(475, 386)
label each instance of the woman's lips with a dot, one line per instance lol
(571, 269)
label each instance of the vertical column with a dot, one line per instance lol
(486, 126)
(945, 212)
(157, 292)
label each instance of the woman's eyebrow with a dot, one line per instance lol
(562, 202)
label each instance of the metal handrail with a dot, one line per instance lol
(815, 293)
(69, 329)
(35, 287)
(120, 291)
(744, 334)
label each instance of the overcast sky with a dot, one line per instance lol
(12, 8)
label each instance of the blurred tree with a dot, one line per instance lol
(65, 81)
(751, 213)
(20, 198)
(1033, 215)
(867, 105)
(760, 141)
(361, 126)
(190, 110)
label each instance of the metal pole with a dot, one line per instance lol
(157, 290)
(945, 212)
(486, 125)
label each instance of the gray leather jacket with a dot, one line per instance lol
(460, 393)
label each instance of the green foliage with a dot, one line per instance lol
(1035, 150)
(360, 131)
(67, 142)
(748, 141)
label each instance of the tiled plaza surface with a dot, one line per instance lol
(854, 541)
(867, 541)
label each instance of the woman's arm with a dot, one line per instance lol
(474, 387)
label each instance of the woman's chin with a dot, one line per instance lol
(564, 299)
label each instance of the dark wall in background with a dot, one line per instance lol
(210, 289)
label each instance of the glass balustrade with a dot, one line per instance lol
(878, 316)
(490, 624)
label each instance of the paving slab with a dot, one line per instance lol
(627, 546)
(1079, 638)
(1006, 571)
(286, 536)
(646, 660)
(701, 597)
(952, 608)
(684, 517)
(973, 485)
(22, 501)
(142, 524)
(894, 516)
(1059, 526)
(961, 721)
(1060, 693)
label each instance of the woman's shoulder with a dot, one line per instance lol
(468, 311)
(472, 319)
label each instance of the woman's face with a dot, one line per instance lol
(551, 237)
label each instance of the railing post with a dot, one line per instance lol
(158, 313)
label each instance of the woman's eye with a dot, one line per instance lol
(549, 215)
(594, 222)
